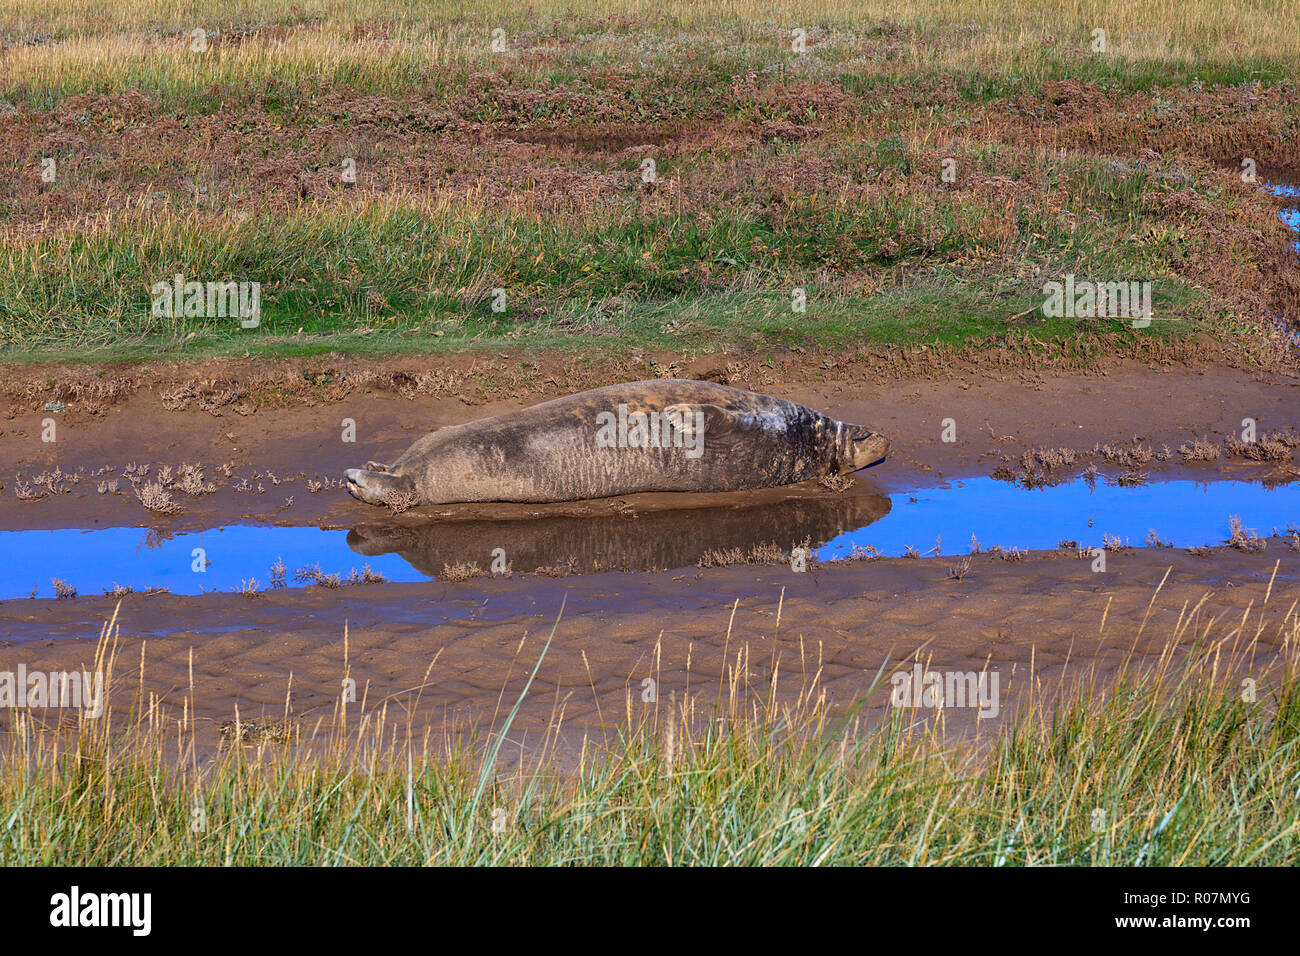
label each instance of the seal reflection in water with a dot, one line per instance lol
(649, 541)
(662, 435)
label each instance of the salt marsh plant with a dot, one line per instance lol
(384, 172)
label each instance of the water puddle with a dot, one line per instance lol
(1182, 513)
(1290, 216)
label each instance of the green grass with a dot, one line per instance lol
(1165, 764)
(899, 318)
(401, 275)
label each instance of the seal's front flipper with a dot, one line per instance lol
(696, 420)
(377, 487)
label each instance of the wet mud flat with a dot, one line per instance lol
(450, 652)
(980, 462)
(961, 517)
(283, 465)
(453, 657)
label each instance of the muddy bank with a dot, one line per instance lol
(283, 465)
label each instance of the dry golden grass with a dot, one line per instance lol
(1143, 28)
(148, 41)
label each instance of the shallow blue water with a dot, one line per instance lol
(1292, 218)
(96, 561)
(1184, 513)
(1289, 216)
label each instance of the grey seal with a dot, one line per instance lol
(652, 436)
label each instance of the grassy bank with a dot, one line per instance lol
(1169, 763)
(633, 176)
(666, 280)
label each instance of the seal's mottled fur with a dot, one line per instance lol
(550, 452)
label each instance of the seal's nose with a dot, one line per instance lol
(355, 482)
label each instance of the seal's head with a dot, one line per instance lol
(861, 447)
(378, 487)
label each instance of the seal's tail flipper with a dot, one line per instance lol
(378, 487)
